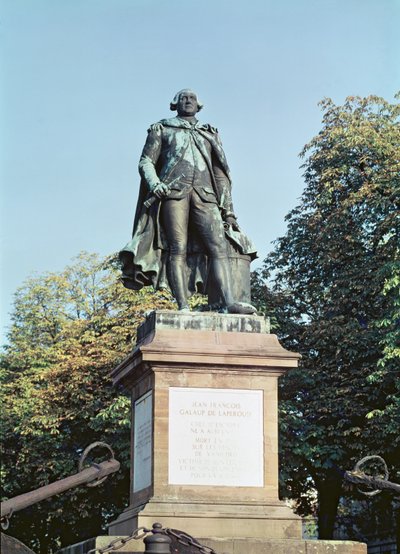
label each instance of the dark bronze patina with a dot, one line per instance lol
(186, 236)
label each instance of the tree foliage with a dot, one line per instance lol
(332, 287)
(69, 330)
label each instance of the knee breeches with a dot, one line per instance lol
(203, 219)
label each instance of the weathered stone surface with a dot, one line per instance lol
(225, 352)
(202, 321)
(287, 546)
(235, 521)
(233, 546)
(201, 341)
(335, 547)
(212, 352)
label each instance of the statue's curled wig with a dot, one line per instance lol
(174, 104)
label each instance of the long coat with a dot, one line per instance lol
(144, 258)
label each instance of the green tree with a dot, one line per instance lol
(69, 330)
(332, 286)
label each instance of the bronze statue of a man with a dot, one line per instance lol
(184, 211)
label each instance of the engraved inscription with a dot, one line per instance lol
(142, 447)
(216, 437)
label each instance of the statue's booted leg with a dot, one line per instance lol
(222, 280)
(210, 227)
(175, 218)
(178, 280)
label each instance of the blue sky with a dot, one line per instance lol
(83, 79)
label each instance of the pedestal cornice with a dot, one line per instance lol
(196, 340)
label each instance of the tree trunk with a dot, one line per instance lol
(329, 493)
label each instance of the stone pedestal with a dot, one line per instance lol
(205, 437)
(205, 429)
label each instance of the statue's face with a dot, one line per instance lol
(187, 104)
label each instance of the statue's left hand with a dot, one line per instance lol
(233, 223)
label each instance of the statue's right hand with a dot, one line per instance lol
(161, 190)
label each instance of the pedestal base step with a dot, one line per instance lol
(283, 546)
(233, 546)
(261, 521)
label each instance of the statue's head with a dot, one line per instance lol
(186, 103)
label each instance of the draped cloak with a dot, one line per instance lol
(144, 258)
